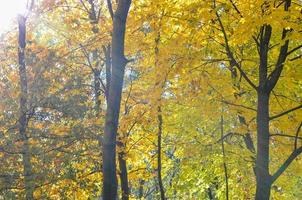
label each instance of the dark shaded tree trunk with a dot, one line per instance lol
(107, 52)
(267, 82)
(96, 84)
(266, 85)
(262, 158)
(23, 120)
(159, 150)
(123, 173)
(226, 177)
(141, 189)
(210, 194)
(114, 99)
(95, 60)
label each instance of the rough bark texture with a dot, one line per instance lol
(23, 121)
(114, 99)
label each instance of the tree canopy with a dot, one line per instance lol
(152, 99)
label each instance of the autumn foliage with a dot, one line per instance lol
(152, 99)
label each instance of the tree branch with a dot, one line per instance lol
(284, 135)
(233, 61)
(296, 136)
(236, 8)
(285, 165)
(109, 4)
(294, 49)
(238, 105)
(285, 112)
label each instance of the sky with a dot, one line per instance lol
(9, 9)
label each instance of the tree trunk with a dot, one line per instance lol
(96, 85)
(95, 60)
(107, 52)
(224, 161)
(23, 121)
(114, 99)
(141, 189)
(123, 174)
(263, 178)
(159, 161)
(263, 93)
(210, 194)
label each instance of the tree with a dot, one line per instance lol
(119, 62)
(23, 119)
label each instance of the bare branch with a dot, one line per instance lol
(284, 135)
(296, 137)
(238, 105)
(285, 165)
(274, 76)
(109, 4)
(236, 8)
(233, 61)
(285, 112)
(294, 49)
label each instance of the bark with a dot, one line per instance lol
(23, 121)
(266, 84)
(114, 99)
(159, 150)
(96, 83)
(224, 163)
(210, 194)
(96, 71)
(107, 51)
(123, 174)
(262, 157)
(141, 189)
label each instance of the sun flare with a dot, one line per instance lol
(9, 10)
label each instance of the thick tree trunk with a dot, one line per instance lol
(26, 156)
(263, 178)
(114, 99)
(123, 174)
(263, 92)
(159, 150)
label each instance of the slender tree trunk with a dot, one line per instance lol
(159, 160)
(224, 163)
(95, 60)
(114, 99)
(107, 52)
(123, 174)
(210, 194)
(26, 156)
(96, 83)
(141, 189)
